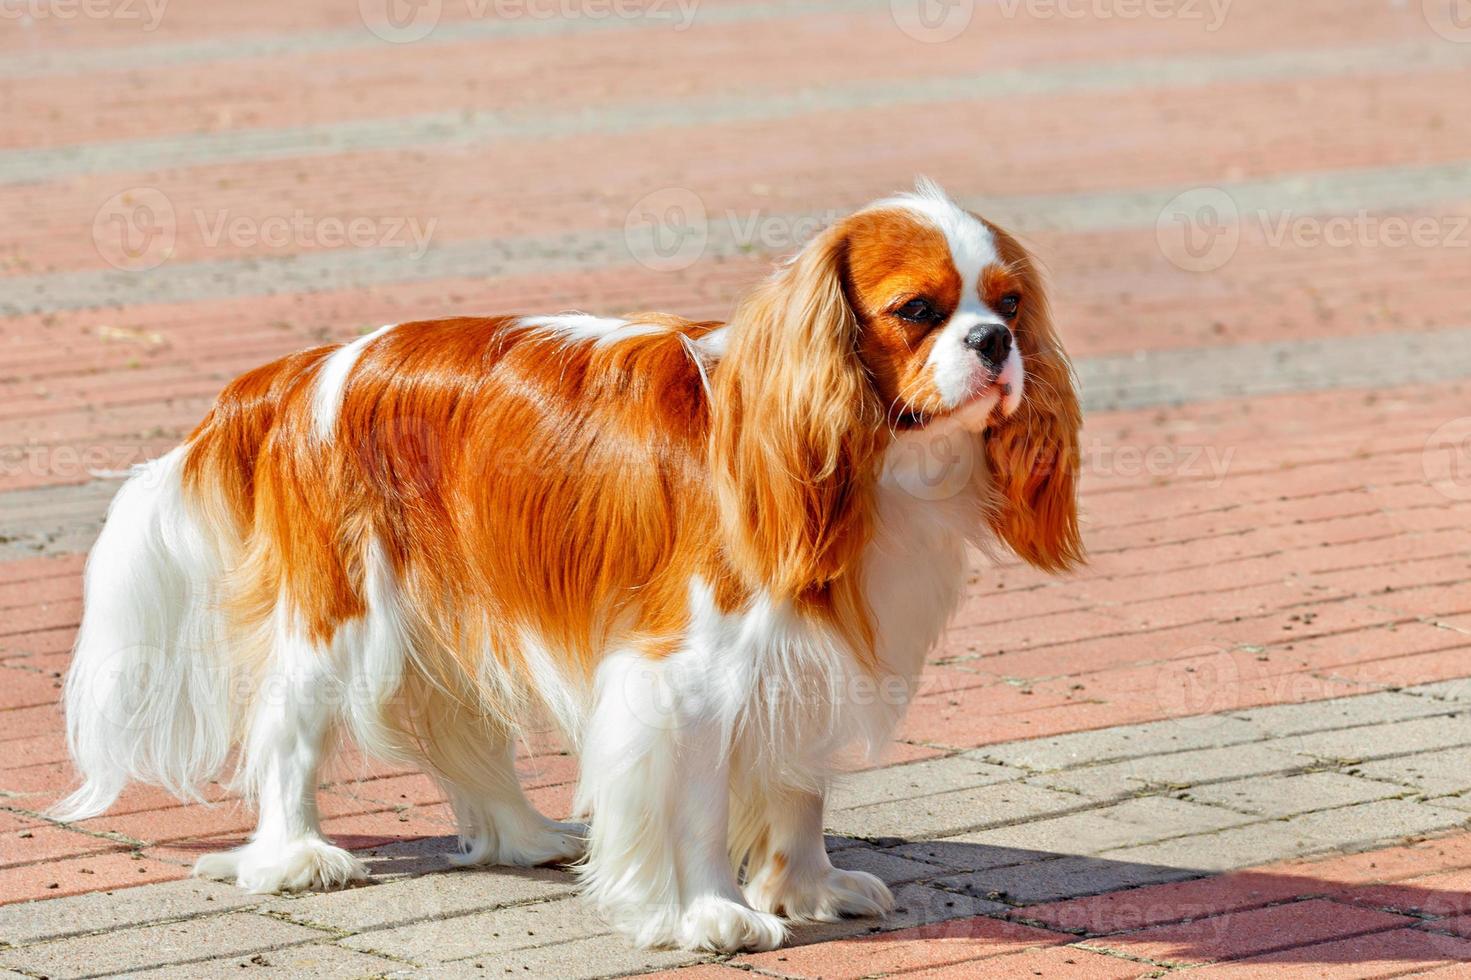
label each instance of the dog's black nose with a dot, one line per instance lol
(992, 342)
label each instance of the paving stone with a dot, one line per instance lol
(1061, 878)
(483, 933)
(916, 779)
(230, 935)
(1314, 716)
(1120, 742)
(1180, 769)
(595, 956)
(891, 868)
(1380, 821)
(1444, 772)
(1238, 934)
(376, 906)
(315, 961)
(1234, 847)
(1398, 952)
(1133, 821)
(1458, 689)
(1260, 843)
(1068, 962)
(949, 813)
(1283, 796)
(1376, 741)
(29, 922)
(957, 942)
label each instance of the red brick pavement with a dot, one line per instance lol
(1315, 562)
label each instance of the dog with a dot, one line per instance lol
(714, 556)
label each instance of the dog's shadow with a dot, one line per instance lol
(961, 891)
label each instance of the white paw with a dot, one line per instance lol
(551, 843)
(835, 895)
(310, 864)
(720, 925)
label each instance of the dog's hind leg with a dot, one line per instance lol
(498, 825)
(293, 718)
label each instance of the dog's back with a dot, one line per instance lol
(272, 526)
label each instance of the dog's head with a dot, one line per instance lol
(911, 316)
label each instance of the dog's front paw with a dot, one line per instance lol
(311, 864)
(548, 843)
(720, 925)
(832, 896)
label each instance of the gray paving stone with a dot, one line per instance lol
(1458, 689)
(1179, 769)
(1123, 742)
(317, 961)
(1101, 785)
(1234, 847)
(408, 900)
(1283, 796)
(953, 855)
(1061, 878)
(1315, 716)
(893, 869)
(916, 779)
(30, 922)
(1378, 741)
(1384, 820)
(951, 813)
(483, 933)
(1134, 821)
(1462, 802)
(914, 905)
(595, 956)
(1443, 772)
(230, 935)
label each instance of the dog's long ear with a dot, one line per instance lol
(1033, 456)
(796, 429)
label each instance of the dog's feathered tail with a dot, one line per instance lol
(148, 693)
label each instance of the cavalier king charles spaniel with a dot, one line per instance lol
(714, 556)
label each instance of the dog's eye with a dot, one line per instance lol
(917, 311)
(1008, 305)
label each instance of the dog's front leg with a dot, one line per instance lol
(789, 873)
(656, 784)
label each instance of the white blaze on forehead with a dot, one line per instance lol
(332, 381)
(972, 246)
(954, 368)
(601, 330)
